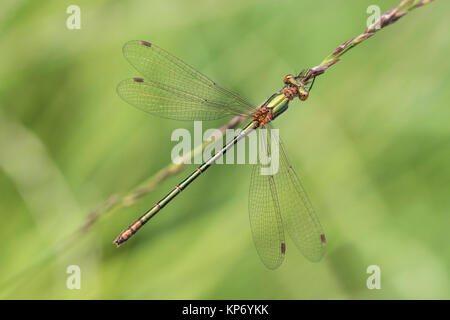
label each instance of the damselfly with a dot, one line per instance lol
(277, 202)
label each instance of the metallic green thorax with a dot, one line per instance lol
(278, 102)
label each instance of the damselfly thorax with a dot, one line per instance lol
(279, 102)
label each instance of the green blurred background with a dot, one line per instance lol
(372, 146)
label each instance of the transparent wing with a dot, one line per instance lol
(168, 102)
(265, 216)
(299, 218)
(166, 72)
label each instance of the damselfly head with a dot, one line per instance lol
(289, 79)
(295, 86)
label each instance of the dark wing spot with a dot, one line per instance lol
(138, 80)
(322, 237)
(283, 248)
(145, 43)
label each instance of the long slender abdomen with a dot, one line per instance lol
(133, 228)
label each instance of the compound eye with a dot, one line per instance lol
(303, 95)
(287, 78)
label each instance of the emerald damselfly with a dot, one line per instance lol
(277, 202)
